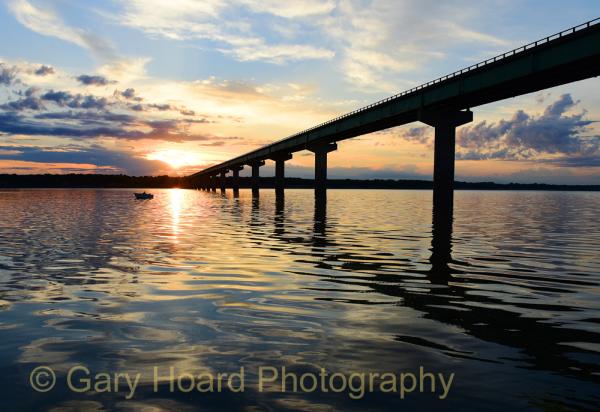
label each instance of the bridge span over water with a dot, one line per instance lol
(444, 103)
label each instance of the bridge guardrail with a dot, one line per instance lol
(432, 82)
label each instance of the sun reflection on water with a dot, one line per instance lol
(176, 201)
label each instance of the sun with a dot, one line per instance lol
(176, 158)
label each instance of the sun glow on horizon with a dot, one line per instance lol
(176, 158)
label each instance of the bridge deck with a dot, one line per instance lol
(568, 56)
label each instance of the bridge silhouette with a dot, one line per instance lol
(444, 103)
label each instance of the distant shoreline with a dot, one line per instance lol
(14, 181)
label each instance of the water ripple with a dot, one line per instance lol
(506, 296)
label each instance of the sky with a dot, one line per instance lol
(147, 87)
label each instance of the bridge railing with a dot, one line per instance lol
(475, 66)
(454, 74)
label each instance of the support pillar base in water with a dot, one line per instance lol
(321, 152)
(223, 180)
(235, 180)
(280, 160)
(256, 176)
(445, 124)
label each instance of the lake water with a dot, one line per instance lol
(507, 299)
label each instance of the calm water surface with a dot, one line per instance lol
(507, 299)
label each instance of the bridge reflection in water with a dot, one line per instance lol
(543, 343)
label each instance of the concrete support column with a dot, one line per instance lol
(223, 180)
(235, 180)
(280, 160)
(320, 152)
(256, 176)
(213, 183)
(445, 124)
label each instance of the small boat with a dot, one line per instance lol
(144, 195)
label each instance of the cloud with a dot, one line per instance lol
(186, 20)
(66, 114)
(164, 107)
(526, 136)
(93, 80)
(125, 69)
(419, 134)
(298, 8)
(7, 74)
(88, 116)
(553, 138)
(99, 156)
(128, 93)
(27, 103)
(90, 125)
(382, 41)
(368, 68)
(575, 161)
(74, 101)
(48, 23)
(44, 70)
(278, 54)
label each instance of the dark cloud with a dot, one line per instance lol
(93, 80)
(14, 123)
(88, 102)
(71, 115)
(88, 116)
(29, 101)
(95, 155)
(61, 98)
(526, 136)
(128, 93)
(75, 101)
(44, 70)
(30, 91)
(139, 107)
(161, 107)
(7, 74)
(575, 161)
(417, 134)
(98, 125)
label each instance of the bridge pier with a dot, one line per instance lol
(235, 180)
(256, 176)
(213, 183)
(280, 160)
(321, 152)
(445, 124)
(223, 180)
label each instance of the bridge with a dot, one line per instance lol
(444, 103)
